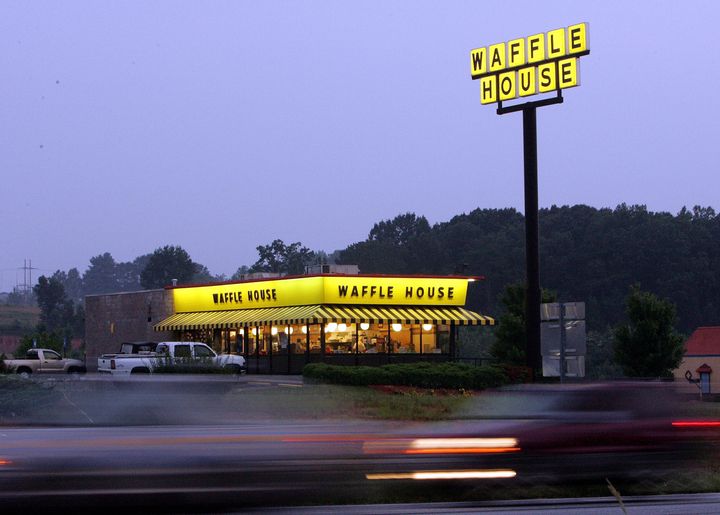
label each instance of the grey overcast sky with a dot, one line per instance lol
(220, 126)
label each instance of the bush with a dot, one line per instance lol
(167, 365)
(18, 396)
(43, 339)
(190, 368)
(421, 375)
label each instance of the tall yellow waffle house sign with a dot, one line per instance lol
(527, 66)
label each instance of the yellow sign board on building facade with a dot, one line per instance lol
(528, 66)
(326, 289)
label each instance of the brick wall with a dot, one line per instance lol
(123, 317)
(8, 344)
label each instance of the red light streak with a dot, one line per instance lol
(696, 423)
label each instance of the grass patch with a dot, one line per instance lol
(19, 396)
(335, 401)
(17, 320)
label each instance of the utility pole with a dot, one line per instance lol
(26, 286)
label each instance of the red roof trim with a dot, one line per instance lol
(286, 277)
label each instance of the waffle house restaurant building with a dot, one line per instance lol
(281, 324)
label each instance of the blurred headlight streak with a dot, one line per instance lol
(443, 446)
(457, 443)
(446, 474)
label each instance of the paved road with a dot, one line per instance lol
(188, 442)
(698, 504)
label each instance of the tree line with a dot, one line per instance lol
(586, 254)
(60, 296)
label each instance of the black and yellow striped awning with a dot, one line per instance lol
(403, 315)
(321, 314)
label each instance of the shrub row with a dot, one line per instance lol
(189, 368)
(421, 375)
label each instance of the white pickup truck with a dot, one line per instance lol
(168, 352)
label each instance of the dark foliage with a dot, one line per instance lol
(165, 264)
(586, 254)
(283, 259)
(648, 346)
(422, 375)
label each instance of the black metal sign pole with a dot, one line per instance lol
(532, 245)
(532, 250)
(505, 87)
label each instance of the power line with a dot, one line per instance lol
(26, 287)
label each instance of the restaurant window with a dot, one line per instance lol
(199, 335)
(237, 341)
(282, 339)
(314, 332)
(271, 339)
(429, 338)
(298, 338)
(443, 339)
(405, 338)
(372, 338)
(339, 338)
(256, 341)
(263, 333)
(228, 341)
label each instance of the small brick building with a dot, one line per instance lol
(111, 319)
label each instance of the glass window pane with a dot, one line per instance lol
(202, 352)
(182, 351)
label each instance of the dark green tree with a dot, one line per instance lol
(59, 315)
(283, 259)
(648, 345)
(400, 230)
(405, 244)
(165, 264)
(128, 273)
(203, 275)
(509, 344)
(43, 339)
(56, 310)
(101, 275)
(600, 358)
(72, 283)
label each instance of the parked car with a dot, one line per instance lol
(168, 353)
(43, 361)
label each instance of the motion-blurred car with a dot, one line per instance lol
(563, 432)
